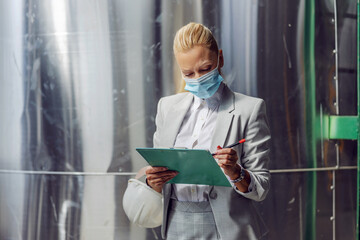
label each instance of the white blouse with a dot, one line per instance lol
(196, 132)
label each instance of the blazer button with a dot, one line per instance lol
(213, 195)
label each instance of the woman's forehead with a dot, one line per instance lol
(197, 55)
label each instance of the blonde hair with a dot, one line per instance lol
(194, 34)
(191, 35)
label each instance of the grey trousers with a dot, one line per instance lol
(191, 220)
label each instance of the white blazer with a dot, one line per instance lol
(239, 117)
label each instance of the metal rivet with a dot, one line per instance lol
(332, 218)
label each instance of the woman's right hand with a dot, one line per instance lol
(157, 176)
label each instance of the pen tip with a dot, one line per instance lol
(242, 141)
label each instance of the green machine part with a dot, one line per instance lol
(310, 104)
(332, 127)
(358, 122)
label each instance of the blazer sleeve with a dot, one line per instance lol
(255, 154)
(158, 122)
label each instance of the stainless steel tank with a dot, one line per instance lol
(79, 85)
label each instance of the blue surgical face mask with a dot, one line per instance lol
(206, 85)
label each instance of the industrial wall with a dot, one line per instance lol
(79, 85)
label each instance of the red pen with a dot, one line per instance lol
(234, 144)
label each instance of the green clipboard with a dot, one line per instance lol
(195, 166)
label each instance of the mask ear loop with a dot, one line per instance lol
(218, 61)
(224, 80)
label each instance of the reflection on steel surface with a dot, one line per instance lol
(79, 85)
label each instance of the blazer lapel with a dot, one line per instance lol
(224, 119)
(175, 118)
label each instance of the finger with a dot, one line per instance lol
(151, 169)
(154, 181)
(227, 156)
(225, 167)
(227, 162)
(161, 181)
(225, 151)
(158, 181)
(161, 175)
(228, 169)
(231, 155)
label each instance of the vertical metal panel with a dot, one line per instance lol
(345, 204)
(79, 85)
(358, 113)
(286, 91)
(238, 40)
(11, 97)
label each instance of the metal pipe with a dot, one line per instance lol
(134, 173)
(358, 113)
(333, 217)
(313, 169)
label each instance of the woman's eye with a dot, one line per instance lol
(205, 69)
(188, 74)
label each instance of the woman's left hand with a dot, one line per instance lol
(227, 160)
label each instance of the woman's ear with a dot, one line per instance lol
(221, 61)
(221, 58)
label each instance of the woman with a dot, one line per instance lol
(207, 116)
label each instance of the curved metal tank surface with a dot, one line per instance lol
(79, 86)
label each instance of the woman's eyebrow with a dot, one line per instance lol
(200, 65)
(206, 62)
(187, 70)
(206, 65)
